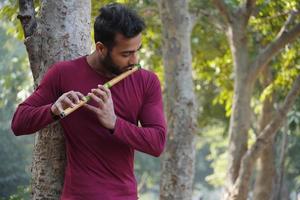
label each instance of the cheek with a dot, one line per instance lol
(121, 61)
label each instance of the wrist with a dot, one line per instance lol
(53, 114)
(113, 124)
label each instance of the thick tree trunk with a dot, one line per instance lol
(61, 33)
(179, 159)
(264, 182)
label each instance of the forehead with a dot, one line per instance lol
(121, 42)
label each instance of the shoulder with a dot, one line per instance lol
(148, 77)
(55, 71)
(148, 82)
(67, 65)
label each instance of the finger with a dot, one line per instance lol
(59, 107)
(98, 100)
(101, 94)
(73, 96)
(81, 96)
(91, 108)
(106, 90)
(68, 102)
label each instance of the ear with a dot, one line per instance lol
(101, 49)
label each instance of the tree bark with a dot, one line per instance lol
(62, 32)
(280, 187)
(243, 87)
(264, 182)
(236, 23)
(179, 158)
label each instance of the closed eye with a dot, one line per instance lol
(129, 53)
(126, 54)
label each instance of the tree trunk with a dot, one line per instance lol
(61, 33)
(280, 187)
(264, 182)
(179, 159)
(266, 173)
(241, 112)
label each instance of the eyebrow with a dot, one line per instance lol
(133, 50)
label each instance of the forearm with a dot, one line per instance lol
(29, 119)
(150, 140)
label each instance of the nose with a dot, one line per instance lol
(134, 58)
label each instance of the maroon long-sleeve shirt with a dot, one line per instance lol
(100, 164)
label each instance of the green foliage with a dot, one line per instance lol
(23, 193)
(9, 12)
(292, 163)
(147, 170)
(212, 66)
(286, 69)
(214, 137)
(15, 152)
(203, 165)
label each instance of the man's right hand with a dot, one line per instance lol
(68, 99)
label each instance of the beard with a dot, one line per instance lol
(110, 66)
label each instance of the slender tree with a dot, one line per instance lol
(179, 158)
(264, 181)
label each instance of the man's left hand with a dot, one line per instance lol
(105, 109)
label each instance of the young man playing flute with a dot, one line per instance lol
(101, 136)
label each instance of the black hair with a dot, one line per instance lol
(116, 18)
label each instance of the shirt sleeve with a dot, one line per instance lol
(151, 137)
(35, 112)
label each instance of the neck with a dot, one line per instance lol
(95, 63)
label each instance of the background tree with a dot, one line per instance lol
(179, 157)
(246, 70)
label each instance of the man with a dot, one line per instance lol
(101, 137)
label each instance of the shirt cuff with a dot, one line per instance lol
(118, 124)
(54, 117)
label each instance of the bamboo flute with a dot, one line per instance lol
(108, 84)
